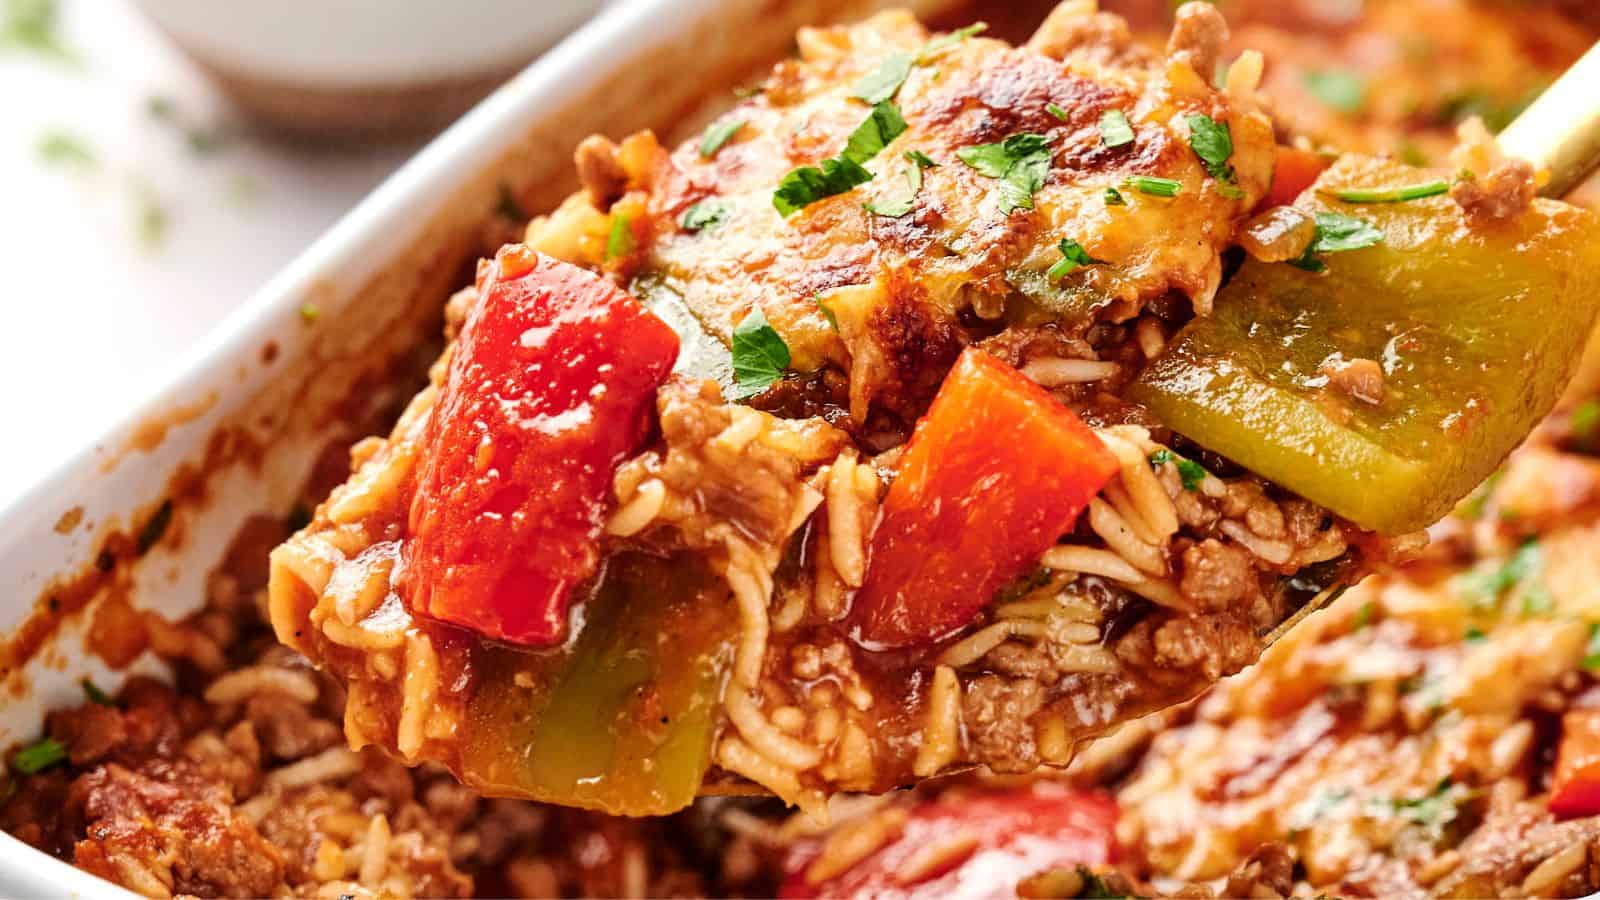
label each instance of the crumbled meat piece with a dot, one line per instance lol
(1024, 661)
(1099, 38)
(997, 711)
(178, 832)
(1359, 378)
(90, 732)
(1503, 194)
(600, 172)
(1216, 574)
(1171, 647)
(287, 729)
(1197, 37)
(1269, 872)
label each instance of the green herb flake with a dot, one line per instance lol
(1390, 195)
(1474, 635)
(619, 242)
(37, 757)
(1056, 111)
(898, 205)
(62, 149)
(759, 355)
(833, 321)
(1019, 163)
(1434, 809)
(30, 25)
(1337, 233)
(1591, 652)
(922, 160)
(1485, 588)
(1213, 143)
(93, 694)
(808, 184)
(1160, 457)
(706, 215)
(151, 220)
(1095, 887)
(1155, 187)
(1114, 197)
(1072, 257)
(883, 82)
(1344, 91)
(1363, 616)
(1584, 420)
(934, 46)
(155, 527)
(717, 134)
(1114, 128)
(1191, 473)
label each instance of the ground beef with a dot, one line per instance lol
(1198, 34)
(599, 171)
(998, 713)
(1504, 193)
(1172, 647)
(1216, 574)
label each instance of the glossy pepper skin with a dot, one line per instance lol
(550, 385)
(1575, 790)
(620, 721)
(1011, 834)
(1477, 328)
(994, 474)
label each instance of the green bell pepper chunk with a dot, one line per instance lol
(1477, 329)
(623, 720)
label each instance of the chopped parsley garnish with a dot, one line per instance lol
(1213, 143)
(1474, 635)
(1584, 420)
(61, 148)
(1391, 195)
(1095, 887)
(808, 184)
(1486, 588)
(884, 82)
(935, 45)
(620, 241)
(1436, 808)
(1114, 197)
(759, 355)
(883, 125)
(1363, 616)
(1114, 128)
(833, 321)
(1020, 163)
(39, 756)
(1072, 256)
(706, 214)
(1056, 111)
(152, 222)
(31, 25)
(921, 159)
(1190, 473)
(881, 83)
(93, 693)
(1337, 233)
(1342, 90)
(896, 206)
(1591, 652)
(1155, 187)
(717, 134)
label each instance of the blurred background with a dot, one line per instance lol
(161, 159)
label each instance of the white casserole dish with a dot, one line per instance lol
(241, 419)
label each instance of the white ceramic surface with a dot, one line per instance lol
(341, 43)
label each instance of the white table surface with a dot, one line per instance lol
(94, 314)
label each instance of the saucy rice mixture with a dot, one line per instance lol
(1402, 742)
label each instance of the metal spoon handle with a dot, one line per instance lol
(1560, 132)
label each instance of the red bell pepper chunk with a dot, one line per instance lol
(1293, 171)
(551, 385)
(1576, 789)
(994, 474)
(969, 846)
